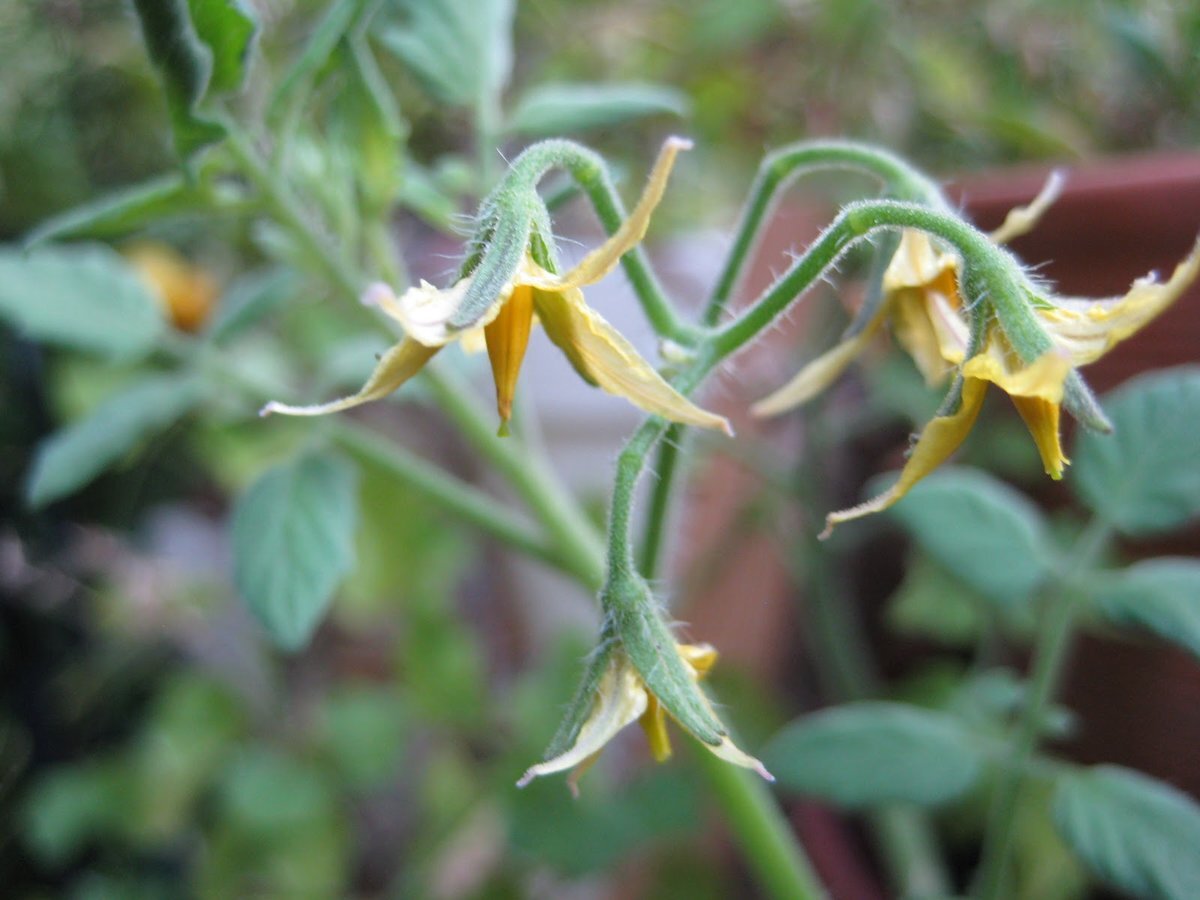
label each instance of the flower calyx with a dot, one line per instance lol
(638, 672)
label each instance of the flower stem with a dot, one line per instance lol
(988, 269)
(655, 529)
(761, 830)
(459, 500)
(779, 169)
(1051, 651)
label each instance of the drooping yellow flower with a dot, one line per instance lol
(1080, 332)
(922, 300)
(623, 698)
(594, 348)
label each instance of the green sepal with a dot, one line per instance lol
(499, 259)
(638, 623)
(584, 699)
(1081, 403)
(880, 260)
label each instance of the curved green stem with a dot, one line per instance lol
(989, 270)
(1051, 651)
(778, 169)
(588, 170)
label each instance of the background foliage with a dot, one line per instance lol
(151, 731)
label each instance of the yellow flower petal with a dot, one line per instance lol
(507, 337)
(1041, 418)
(395, 367)
(820, 373)
(654, 724)
(603, 357)
(937, 442)
(930, 327)
(604, 258)
(425, 312)
(1036, 390)
(1022, 219)
(917, 263)
(621, 698)
(1087, 329)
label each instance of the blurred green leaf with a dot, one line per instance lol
(185, 66)
(270, 796)
(324, 39)
(367, 124)
(932, 603)
(982, 531)
(228, 28)
(362, 728)
(1132, 831)
(591, 832)
(420, 191)
(72, 805)
(1143, 479)
(279, 832)
(553, 109)
(460, 50)
(248, 299)
(73, 456)
(1159, 595)
(293, 542)
(190, 733)
(84, 297)
(871, 753)
(124, 211)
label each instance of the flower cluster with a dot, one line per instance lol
(1026, 341)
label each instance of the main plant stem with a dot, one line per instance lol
(1051, 650)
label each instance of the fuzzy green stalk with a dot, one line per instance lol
(1062, 599)
(780, 168)
(590, 172)
(989, 271)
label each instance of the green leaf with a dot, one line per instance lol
(1144, 479)
(84, 297)
(72, 805)
(324, 39)
(866, 754)
(1134, 832)
(980, 530)
(248, 299)
(293, 542)
(123, 211)
(592, 832)
(460, 50)
(228, 29)
(185, 66)
(932, 603)
(72, 457)
(1159, 595)
(554, 109)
